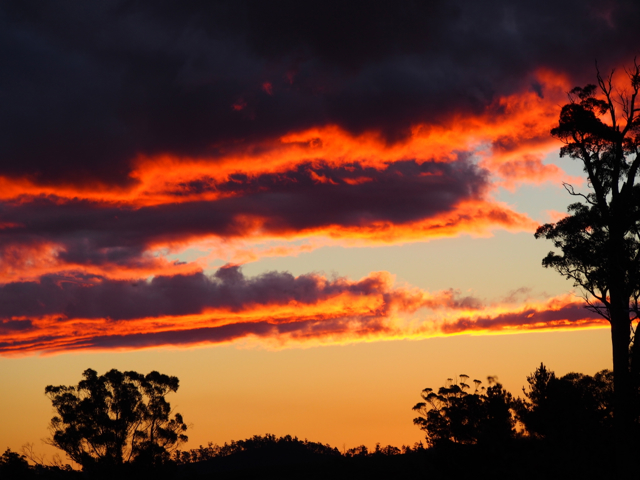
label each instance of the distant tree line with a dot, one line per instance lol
(121, 426)
(287, 442)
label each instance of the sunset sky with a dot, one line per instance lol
(306, 211)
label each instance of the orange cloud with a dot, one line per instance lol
(562, 312)
(512, 126)
(321, 185)
(274, 309)
(406, 201)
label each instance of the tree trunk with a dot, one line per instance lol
(622, 403)
(620, 322)
(620, 335)
(634, 368)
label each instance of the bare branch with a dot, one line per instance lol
(569, 188)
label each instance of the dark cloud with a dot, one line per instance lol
(87, 86)
(79, 311)
(530, 319)
(301, 330)
(8, 326)
(79, 295)
(85, 296)
(298, 330)
(309, 197)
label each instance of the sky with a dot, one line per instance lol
(306, 211)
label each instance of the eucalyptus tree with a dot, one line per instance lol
(459, 413)
(599, 241)
(117, 418)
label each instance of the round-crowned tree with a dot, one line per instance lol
(116, 418)
(456, 414)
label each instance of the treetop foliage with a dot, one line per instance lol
(600, 126)
(456, 414)
(116, 418)
(575, 407)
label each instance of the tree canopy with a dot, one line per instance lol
(568, 409)
(455, 414)
(115, 418)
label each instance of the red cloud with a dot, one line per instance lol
(69, 312)
(404, 201)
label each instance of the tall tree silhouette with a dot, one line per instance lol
(600, 239)
(116, 418)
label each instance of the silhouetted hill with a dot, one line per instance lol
(265, 459)
(525, 459)
(288, 458)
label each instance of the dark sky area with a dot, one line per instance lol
(130, 130)
(87, 86)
